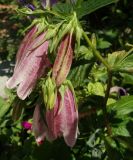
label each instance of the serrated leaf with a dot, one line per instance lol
(63, 8)
(121, 116)
(84, 53)
(121, 61)
(96, 88)
(90, 6)
(127, 78)
(122, 107)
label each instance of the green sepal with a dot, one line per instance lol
(69, 83)
(40, 23)
(66, 28)
(64, 86)
(49, 92)
(52, 31)
(78, 32)
(62, 90)
(94, 41)
(28, 11)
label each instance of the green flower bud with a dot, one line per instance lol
(49, 93)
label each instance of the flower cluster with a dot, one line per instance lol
(60, 117)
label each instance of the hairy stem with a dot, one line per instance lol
(101, 59)
(96, 52)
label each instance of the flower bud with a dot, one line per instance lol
(63, 60)
(49, 93)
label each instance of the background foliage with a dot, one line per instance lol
(113, 28)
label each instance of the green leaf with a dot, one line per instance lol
(6, 104)
(121, 116)
(127, 78)
(90, 6)
(96, 89)
(121, 61)
(79, 73)
(102, 44)
(84, 53)
(63, 8)
(112, 149)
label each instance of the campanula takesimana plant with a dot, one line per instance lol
(61, 115)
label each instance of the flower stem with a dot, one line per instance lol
(101, 59)
(105, 103)
(96, 52)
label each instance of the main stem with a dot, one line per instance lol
(101, 59)
(105, 103)
(95, 51)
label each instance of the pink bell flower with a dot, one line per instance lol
(31, 63)
(62, 120)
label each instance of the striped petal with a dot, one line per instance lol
(30, 66)
(53, 120)
(24, 45)
(69, 115)
(62, 120)
(39, 127)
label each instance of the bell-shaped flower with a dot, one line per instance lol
(62, 120)
(39, 127)
(31, 63)
(63, 60)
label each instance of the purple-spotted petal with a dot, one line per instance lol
(53, 120)
(35, 68)
(62, 120)
(29, 67)
(25, 45)
(69, 119)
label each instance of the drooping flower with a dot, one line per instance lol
(62, 120)
(119, 90)
(31, 63)
(63, 60)
(39, 127)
